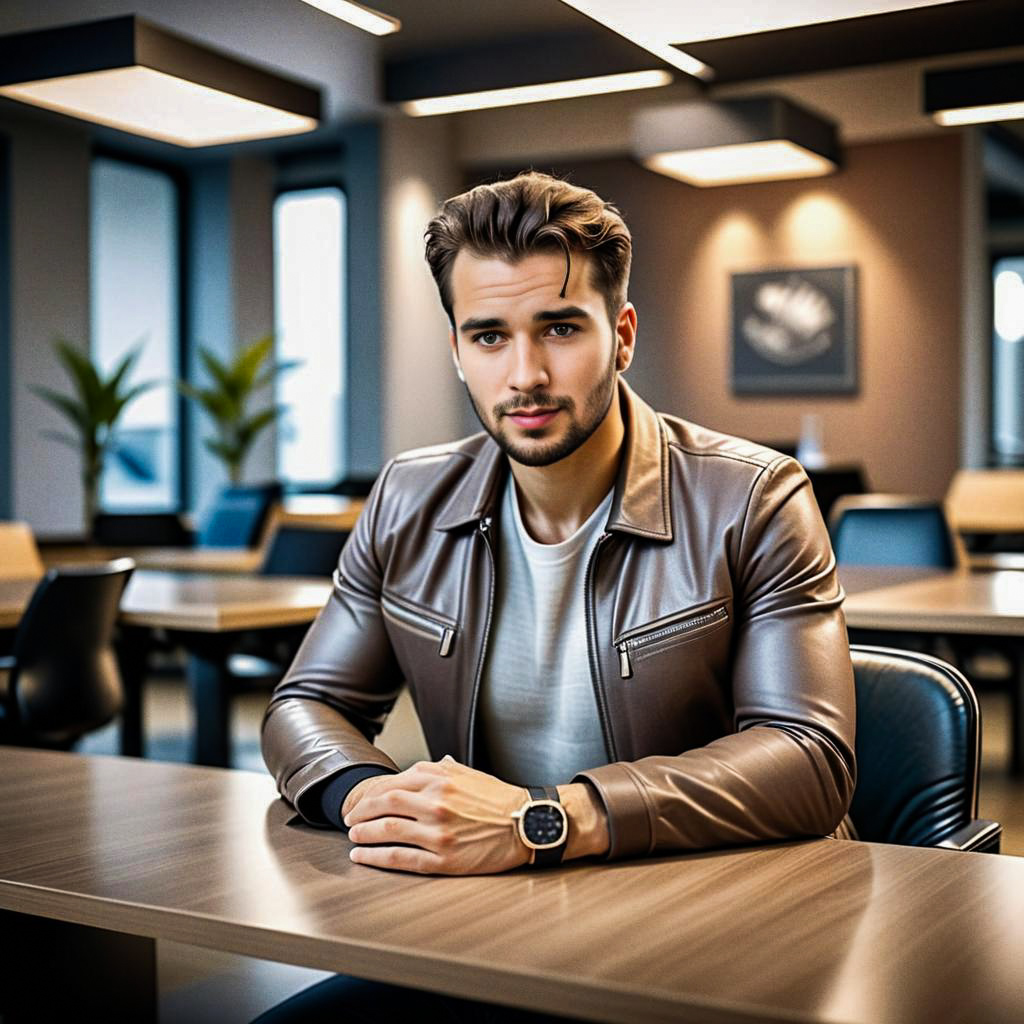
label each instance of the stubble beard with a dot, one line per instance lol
(595, 408)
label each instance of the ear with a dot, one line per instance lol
(625, 337)
(454, 345)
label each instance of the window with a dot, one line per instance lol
(1008, 360)
(309, 304)
(134, 299)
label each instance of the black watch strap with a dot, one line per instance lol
(551, 857)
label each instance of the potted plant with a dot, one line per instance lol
(227, 398)
(93, 410)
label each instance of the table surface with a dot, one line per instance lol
(814, 931)
(934, 601)
(206, 603)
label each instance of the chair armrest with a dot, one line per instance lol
(977, 836)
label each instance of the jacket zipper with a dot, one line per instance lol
(595, 667)
(483, 531)
(642, 638)
(419, 623)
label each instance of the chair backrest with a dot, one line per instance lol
(160, 529)
(19, 555)
(918, 744)
(830, 483)
(891, 529)
(238, 516)
(303, 551)
(65, 679)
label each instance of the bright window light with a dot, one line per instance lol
(740, 164)
(309, 303)
(362, 17)
(1009, 305)
(134, 297)
(160, 106)
(537, 93)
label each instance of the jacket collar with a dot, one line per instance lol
(641, 502)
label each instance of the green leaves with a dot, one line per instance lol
(226, 399)
(93, 408)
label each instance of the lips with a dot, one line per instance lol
(531, 419)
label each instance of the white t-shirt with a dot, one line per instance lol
(538, 712)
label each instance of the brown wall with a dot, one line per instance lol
(894, 211)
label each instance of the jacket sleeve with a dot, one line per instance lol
(788, 770)
(333, 701)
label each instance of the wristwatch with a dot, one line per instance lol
(543, 826)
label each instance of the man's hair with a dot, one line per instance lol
(532, 212)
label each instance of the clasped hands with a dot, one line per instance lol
(442, 817)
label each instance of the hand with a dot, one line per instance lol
(436, 818)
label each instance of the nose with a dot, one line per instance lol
(527, 368)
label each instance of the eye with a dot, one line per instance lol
(563, 330)
(487, 339)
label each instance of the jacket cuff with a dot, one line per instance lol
(304, 788)
(333, 794)
(630, 828)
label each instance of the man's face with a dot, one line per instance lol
(540, 368)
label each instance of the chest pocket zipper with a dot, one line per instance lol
(419, 623)
(634, 640)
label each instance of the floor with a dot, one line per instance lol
(201, 986)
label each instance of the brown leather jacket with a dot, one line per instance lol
(718, 649)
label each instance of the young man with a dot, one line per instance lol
(622, 631)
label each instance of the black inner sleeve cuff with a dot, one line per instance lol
(332, 798)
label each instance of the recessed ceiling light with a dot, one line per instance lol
(362, 17)
(129, 74)
(537, 93)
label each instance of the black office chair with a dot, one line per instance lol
(830, 483)
(918, 750)
(149, 529)
(63, 676)
(303, 551)
(294, 551)
(238, 516)
(891, 529)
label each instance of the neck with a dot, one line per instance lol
(556, 500)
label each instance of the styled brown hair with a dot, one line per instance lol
(528, 213)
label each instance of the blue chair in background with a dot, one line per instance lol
(891, 529)
(238, 516)
(303, 551)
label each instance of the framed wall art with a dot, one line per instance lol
(795, 331)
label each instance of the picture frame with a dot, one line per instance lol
(794, 331)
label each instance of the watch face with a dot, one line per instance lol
(544, 824)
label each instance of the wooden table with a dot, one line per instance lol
(207, 614)
(819, 931)
(937, 602)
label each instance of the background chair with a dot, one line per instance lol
(293, 551)
(142, 529)
(891, 529)
(19, 555)
(63, 676)
(918, 749)
(238, 516)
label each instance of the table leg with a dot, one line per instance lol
(133, 660)
(209, 690)
(54, 970)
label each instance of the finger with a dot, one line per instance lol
(397, 858)
(392, 831)
(393, 803)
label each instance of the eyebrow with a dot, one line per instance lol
(545, 316)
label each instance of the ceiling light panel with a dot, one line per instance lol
(976, 94)
(729, 142)
(355, 14)
(128, 74)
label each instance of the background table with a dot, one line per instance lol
(927, 602)
(207, 614)
(816, 931)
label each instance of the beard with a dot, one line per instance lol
(581, 427)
